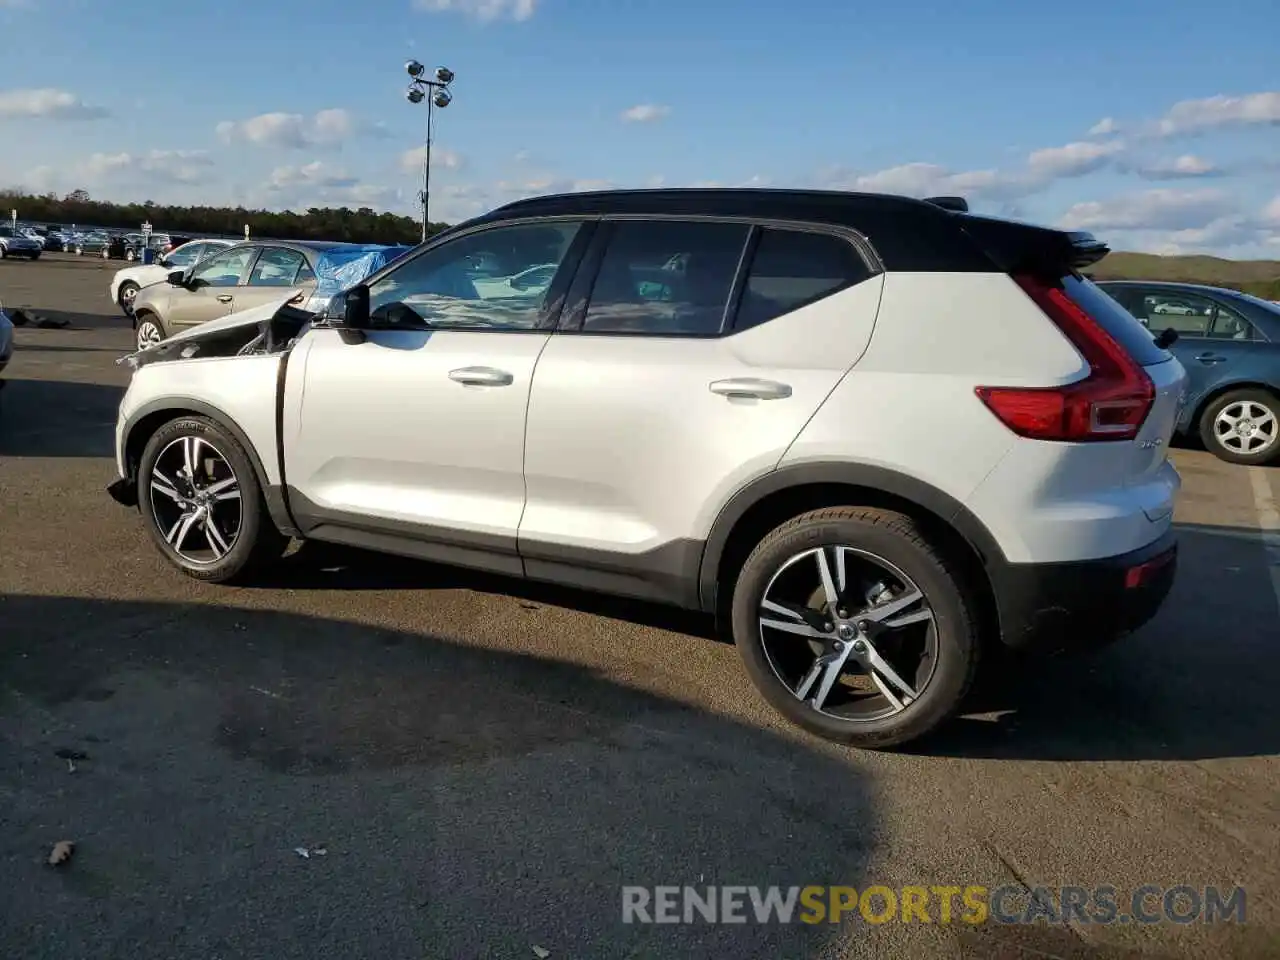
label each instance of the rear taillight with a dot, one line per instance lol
(1111, 403)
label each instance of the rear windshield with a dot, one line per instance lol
(1116, 320)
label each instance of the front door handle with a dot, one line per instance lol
(225, 298)
(749, 387)
(481, 377)
(1211, 358)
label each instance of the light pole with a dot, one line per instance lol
(435, 92)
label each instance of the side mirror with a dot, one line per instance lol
(177, 278)
(355, 307)
(164, 262)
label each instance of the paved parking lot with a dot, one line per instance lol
(486, 764)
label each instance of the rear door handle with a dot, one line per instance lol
(481, 377)
(225, 298)
(1211, 358)
(749, 387)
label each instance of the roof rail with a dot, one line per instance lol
(958, 204)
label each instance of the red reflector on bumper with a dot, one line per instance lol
(1136, 576)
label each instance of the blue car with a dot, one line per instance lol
(1229, 343)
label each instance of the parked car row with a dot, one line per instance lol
(107, 244)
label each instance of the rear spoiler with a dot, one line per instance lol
(1021, 247)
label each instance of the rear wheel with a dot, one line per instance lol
(200, 499)
(1243, 426)
(855, 628)
(125, 297)
(79, 250)
(106, 254)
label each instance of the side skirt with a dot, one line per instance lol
(666, 574)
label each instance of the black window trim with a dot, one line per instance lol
(573, 317)
(552, 306)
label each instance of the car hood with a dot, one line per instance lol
(248, 320)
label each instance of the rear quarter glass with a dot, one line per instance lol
(1123, 327)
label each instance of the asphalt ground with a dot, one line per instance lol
(486, 764)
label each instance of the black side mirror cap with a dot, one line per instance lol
(177, 278)
(355, 307)
(1166, 338)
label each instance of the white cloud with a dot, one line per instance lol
(173, 166)
(1197, 116)
(1151, 210)
(931, 180)
(1104, 127)
(645, 113)
(485, 11)
(1187, 166)
(46, 103)
(1073, 159)
(296, 131)
(441, 159)
(314, 174)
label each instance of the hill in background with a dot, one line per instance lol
(1258, 277)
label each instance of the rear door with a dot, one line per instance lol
(690, 355)
(276, 269)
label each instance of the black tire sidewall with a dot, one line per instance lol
(1210, 439)
(957, 646)
(252, 519)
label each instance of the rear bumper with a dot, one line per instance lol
(1059, 607)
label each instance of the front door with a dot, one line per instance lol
(410, 435)
(210, 291)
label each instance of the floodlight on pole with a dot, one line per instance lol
(436, 93)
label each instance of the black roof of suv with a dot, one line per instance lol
(906, 234)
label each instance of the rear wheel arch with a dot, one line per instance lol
(789, 492)
(1220, 390)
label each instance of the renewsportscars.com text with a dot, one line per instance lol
(972, 904)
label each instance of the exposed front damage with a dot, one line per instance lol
(270, 328)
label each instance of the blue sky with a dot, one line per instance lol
(1155, 124)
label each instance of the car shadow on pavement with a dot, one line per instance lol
(56, 418)
(1199, 682)
(320, 788)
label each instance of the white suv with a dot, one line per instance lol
(875, 436)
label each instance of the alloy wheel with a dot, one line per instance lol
(1246, 427)
(195, 500)
(149, 334)
(128, 293)
(848, 633)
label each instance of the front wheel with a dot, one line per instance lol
(106, 254)
(79, 250)
(855, 628)
(149, 332)
(202, 504)
(1243, 426)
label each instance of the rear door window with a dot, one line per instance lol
(1137, 341)
(794, 268)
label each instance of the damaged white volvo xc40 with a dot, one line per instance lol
(875, 437)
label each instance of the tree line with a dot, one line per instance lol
(363, 225)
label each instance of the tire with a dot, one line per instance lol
(124, 297)
(255, 542)
(106, 254)
(143, 331)
(35, 256)
(1258, 408)
(79, 250)
(908, 558)
(4, 251)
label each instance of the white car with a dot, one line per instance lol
(874, 436)
(127, 282)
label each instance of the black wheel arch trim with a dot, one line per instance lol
(880, 479)
(272, 493)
